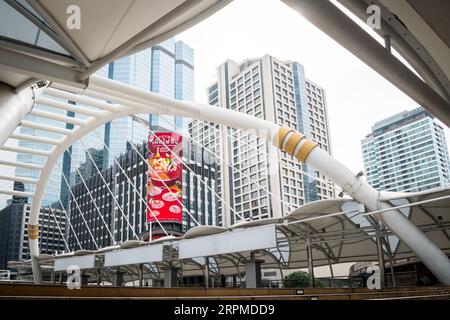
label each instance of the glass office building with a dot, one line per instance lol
(28, 33)
(166, 69)
(406, 152)
(52, 194)
(173, 76)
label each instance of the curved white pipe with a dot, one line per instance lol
(431, 255)
(13, 108)
(212, 114)
(293, 142)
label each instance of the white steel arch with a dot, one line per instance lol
(127, 100)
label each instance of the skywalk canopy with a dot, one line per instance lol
(68, 40)
(336, 230)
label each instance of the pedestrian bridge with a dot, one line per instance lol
(320, 233)
(315, 234)
(57, 292)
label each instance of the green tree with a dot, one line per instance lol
(300, 279)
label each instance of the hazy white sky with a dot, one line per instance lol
(356, 95)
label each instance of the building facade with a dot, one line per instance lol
(406, 152)
(277, 91)
(167, 68)
(199, 197)
(14, 233)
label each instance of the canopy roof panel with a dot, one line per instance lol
(108, 24)
(47, 32)
(337, 238)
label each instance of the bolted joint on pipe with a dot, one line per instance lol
(293, 143)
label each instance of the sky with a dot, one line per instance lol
(357, 96)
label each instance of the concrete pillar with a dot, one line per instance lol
(310, 262)
(84, 279)
(393, 273)
(52, 277)
(380, 260)
(117, 278)
(253, 273)
(206, 272)
(141, 275)
(171, 277)
(99, 277)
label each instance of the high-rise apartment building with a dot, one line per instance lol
(406, 152)
(277, 91)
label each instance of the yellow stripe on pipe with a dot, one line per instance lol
(305, 150)
(279, 137)
(33, 231)
(294, 139)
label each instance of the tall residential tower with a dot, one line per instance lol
(406, 152)
(277, 91)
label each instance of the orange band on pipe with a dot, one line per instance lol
(293, 141)
(279, 137)
(33, 231)
(305, 150)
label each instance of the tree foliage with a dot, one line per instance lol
(300, 279)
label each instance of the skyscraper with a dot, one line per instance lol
(406, 152)
(277, 91)
(172, 75)
(14, 234)
(30, 34)
(168, 69)
(52, 194)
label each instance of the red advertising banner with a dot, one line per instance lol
(164, 176)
